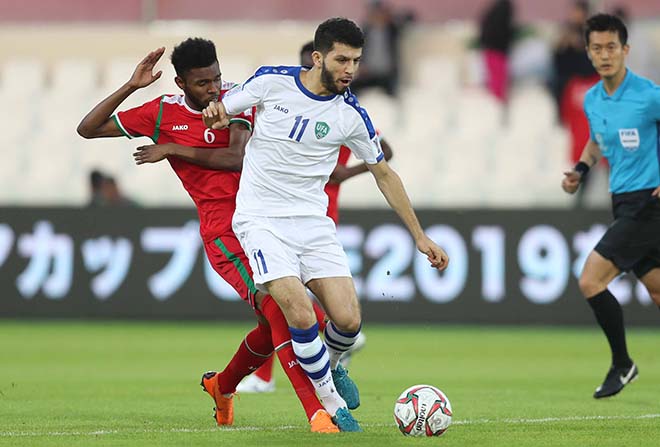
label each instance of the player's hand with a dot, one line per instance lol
(143, 74)
(571, 181)
(151, 153)
(215, 116)
(656, 192)
(436, 255)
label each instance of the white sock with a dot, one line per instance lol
(338, 342)
(314, 360)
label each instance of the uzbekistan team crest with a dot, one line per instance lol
(321, 129)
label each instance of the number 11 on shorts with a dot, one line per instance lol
(258, 256)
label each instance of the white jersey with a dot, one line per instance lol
(295, 143)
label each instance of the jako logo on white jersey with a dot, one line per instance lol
(180, 127)
(281, 109)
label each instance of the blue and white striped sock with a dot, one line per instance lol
(338, 342)
(314, 360)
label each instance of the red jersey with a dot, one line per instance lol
(168, 119)
(332, 189)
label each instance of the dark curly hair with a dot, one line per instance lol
(193, 53)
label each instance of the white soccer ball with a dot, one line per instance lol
(422, 410)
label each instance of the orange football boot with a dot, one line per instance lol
(321, 422)
(224, 406)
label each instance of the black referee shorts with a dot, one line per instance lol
(632, 242)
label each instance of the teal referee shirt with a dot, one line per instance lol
(626, 127)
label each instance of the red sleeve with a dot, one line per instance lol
(246, 118)
(139, 121)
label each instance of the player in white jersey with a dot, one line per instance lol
(304, 116)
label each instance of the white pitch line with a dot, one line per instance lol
(521, 421)
(553, 419)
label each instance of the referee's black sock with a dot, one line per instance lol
(610, 317)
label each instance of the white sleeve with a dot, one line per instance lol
(245, 96)
(363, 140)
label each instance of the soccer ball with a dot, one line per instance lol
(422, 410)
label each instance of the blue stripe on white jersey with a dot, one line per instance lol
(284, 70)
(309, 94)
(293, 71)
(351, 100)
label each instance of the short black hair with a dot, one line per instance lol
(606, 22)
(193, 53)
(307, 48)
(337, 30)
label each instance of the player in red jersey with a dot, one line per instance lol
(261, 381)
(208, 163)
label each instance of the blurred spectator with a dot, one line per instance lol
(496, 34)
(573, 76)
(643, 57)
(570, 56)
(306, 54)
(530, 59)
(96, 180)
(105, 191)
(380, 56)
(114, 196)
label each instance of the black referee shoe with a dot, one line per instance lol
(615, 380)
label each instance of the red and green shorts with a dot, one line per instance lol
(229, 261)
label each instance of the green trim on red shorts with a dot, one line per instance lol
(242, 269)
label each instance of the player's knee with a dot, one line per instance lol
(299, 317)
(655, 296)
(349, 323)
(590, 286)
(302, 320)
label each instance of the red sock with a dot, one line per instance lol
(265, 371)
(320, 315)
(282, 341)
(251, 354)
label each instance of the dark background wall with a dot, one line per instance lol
(506, 267)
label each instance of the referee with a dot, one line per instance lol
(624, 118)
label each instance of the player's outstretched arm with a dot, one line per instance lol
(342, 173)
(392, 188)
(591, 154)
(229, 158)
(98, 123)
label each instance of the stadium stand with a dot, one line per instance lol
(454, 144)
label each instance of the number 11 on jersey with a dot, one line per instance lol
(298, 119)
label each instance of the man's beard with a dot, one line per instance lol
(199, 103)
(329, 82)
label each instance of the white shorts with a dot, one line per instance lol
(303, 246)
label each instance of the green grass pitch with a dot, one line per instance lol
(137, 384)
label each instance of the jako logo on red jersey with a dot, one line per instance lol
(180, 127)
